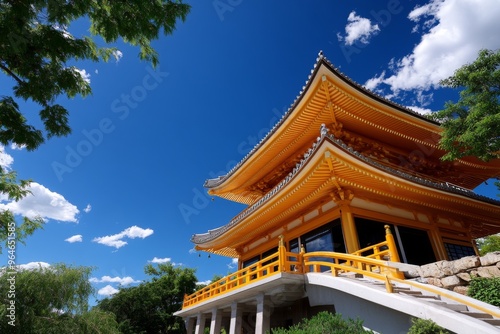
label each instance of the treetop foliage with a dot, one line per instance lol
(39, 54)
(15, 190)
(325, 322)
(37, 51)
(52, 300)
(472, 125)
(488, 244)
(149, 306)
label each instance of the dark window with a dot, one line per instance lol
(456, 252)
(269, 253)
(417, 246)
(294, 246)
(320, 239)
(251, 261)
(416, 243)
(370, 232)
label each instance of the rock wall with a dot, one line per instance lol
(456, 275)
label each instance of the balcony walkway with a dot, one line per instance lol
(362, 286)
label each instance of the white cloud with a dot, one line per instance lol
(75, 238)
(374, 82)
(118, 55)
(63, 30)
(358, 29)
(423, 111)
(6, 159)
(83, 73)
(88, 208)
(116, 241)
(157, 260)
(108, 290)
(33, 265)
(17, 147)
(45, 203)
(207, 282)
(453, 33)
(108, 279)
(233, 264)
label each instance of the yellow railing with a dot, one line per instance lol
(370, 262)
(443, 293)
(299, 263)
(267, 267)
(338, 263)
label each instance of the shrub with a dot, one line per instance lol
(485, 289)
(426, 326)
(325, 322)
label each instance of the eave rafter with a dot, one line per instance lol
(330, 97)
(330, 167)
(329, 104)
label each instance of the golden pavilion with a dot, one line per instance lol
(344, 172)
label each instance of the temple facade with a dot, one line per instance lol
(343, 169)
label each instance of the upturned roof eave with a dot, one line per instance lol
(207, 238)
(212, 184)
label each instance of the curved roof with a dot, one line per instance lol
(329, 96)
(273, 208)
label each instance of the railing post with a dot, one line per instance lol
(393, 254)
(393, 251)
(300, 259)
(282, 253)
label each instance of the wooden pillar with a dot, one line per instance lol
(282, 254)
(349, 228)
(436, 240)
(262, 318)
(236, 319)
(215, 324)
(200, 323)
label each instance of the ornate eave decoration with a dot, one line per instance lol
(325, 135)
(321, 59)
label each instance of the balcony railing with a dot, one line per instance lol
(369, 261)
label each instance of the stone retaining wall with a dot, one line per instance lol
(456, 275)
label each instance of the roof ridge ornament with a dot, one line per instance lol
(320, 55)
(323, 130)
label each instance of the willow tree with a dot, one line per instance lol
(51, 299)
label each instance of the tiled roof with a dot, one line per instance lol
(321, 59)
(213, 234)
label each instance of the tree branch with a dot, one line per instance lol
(12, 74)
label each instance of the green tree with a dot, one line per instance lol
(472, 125)
(485, 289)
(149, 307)
(215, 278)
(10, 232)
(39, 54)
(425, 326)
(325, 322)
(489, 244)
(50, 300)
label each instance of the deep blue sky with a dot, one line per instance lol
(145, 141)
